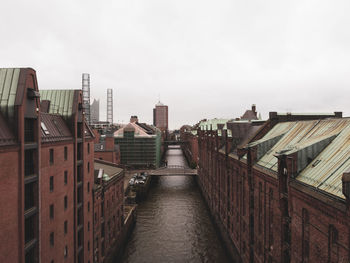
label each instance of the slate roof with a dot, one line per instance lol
(57, 129)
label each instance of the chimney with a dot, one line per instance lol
(254, 108)
(109, 140)
(45, 106)
(134, 119)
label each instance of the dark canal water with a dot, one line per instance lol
(173, 224)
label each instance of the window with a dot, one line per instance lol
(29, 193)
(88, 187)
(88, 206)
(52, 239)
(65, 252)
(51, 211)
(65, 202)
(89, 226)
(88, 167)
(88, 245)
(65, 177)
(51, 157)
(66, 227)
(333, 255)
(88, 147)
(51, 183)
(65, 153)
(305, 235)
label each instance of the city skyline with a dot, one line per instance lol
(204, 60)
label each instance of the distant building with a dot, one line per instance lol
(140, 145)
(160, 118)
(95, 111)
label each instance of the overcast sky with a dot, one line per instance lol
(203, 58)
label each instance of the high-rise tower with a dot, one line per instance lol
(160, 118)
(86, 96)
(110, 106)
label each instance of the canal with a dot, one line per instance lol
(173, 223)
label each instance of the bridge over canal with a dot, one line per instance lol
(174, 170)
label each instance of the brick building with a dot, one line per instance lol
(108, 194)
(160, 119)
(188, 135)
(279, 191)
(46, 160)
(105, 148)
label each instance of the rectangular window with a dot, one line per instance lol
(88, 187)
(88, 206)
(65, 153)
(65, 202)
(89, 226)
(29, 229)
(51, 211)
(88, 147)
(65, 177)
(51, 183)
(65, 252)
(29, 192)
(66, 227)
(52, 239)
(51, 157)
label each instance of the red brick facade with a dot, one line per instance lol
(108, 210)
(269, 216)
(46, 173)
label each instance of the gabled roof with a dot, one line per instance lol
(62, 102)
(132, 126)
(249, 115)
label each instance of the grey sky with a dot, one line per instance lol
(205, 58)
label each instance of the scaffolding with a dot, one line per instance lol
(110, 106)
(86, 96)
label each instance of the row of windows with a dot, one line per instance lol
(65, 154)
(65, 178)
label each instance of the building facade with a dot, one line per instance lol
(47, 174)
(95, 111)
(279, 190)
(108, 209)
(140, 145)
(160, 118)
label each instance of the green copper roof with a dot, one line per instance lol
(61, 101)
(8, 88)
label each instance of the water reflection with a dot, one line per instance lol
(173, 224)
